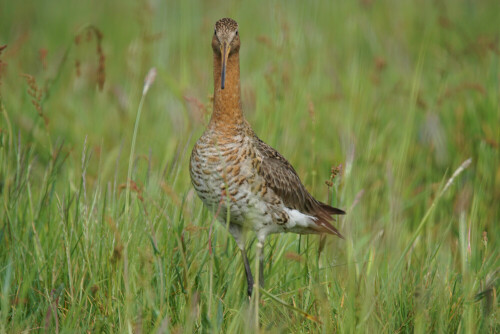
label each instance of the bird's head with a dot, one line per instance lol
(226, 41)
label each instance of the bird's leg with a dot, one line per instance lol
(239, 236)
(248, 271)
(261, 266)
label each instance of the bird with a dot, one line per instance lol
(244, 181)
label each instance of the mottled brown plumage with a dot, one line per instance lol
(236, 173)
(282, 178)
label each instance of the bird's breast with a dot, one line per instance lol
(220, 169)
(226, 178)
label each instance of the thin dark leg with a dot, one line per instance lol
(261, 268)
(248, 272)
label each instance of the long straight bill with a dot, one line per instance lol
(225, 54)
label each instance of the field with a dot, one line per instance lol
(401, 97)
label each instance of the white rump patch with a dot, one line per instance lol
(299, 219)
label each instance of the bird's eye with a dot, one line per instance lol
(215, 31)
(236, 32)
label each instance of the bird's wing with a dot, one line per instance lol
(282, 178)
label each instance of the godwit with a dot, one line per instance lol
(233, 170)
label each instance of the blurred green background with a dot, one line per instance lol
(400, 93)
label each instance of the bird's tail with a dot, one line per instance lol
(323, 216)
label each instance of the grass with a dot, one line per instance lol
(400, 93)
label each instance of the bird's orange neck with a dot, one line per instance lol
(227, 115)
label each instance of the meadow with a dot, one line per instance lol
(389, 110)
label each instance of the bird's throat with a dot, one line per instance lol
(227, 113)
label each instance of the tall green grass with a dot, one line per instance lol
(400, 93)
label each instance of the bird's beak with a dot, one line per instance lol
(225, 48)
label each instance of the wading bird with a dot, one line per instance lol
(236, 173)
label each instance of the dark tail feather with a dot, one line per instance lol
(331, 210)
(326, 227)
(324, 216)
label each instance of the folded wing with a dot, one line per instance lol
(282, 178)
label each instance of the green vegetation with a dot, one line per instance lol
(401, 93)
